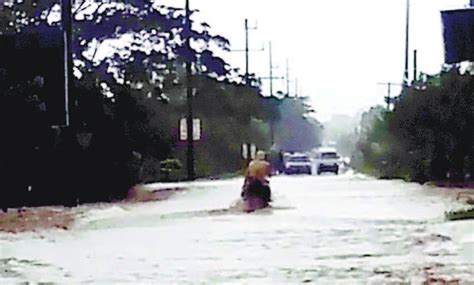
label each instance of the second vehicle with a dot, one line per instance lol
(327, 160)
(297, 164)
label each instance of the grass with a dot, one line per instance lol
(8, 218)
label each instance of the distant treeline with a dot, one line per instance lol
(429, 136)
(126, 106)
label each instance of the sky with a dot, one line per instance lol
(337, 50)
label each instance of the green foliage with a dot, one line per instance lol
(171, 164)
(289, 122)
(467, 214)
(171, 169)
(295, 129)
(428, 136)
(131, 115)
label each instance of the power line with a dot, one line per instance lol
(247, 68)
(247, 51)
(271, 77)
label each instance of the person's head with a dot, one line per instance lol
(261, 155)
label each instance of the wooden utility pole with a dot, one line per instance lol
(66, 18)
(247, 51)
(271, 78)
(189, 98)
(407, 39)
(272, 127)
(287, 79)
(271, 68)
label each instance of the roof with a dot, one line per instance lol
(326, 149)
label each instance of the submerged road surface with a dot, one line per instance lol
(346, 229)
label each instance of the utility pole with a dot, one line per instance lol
(271, 78)
(248, 146)
(415, 65)
(272, 127)
(66, 17)
(189, 98)
(287, 79)
(271, 68)
(247, 51)
(407, 39)
(296, 88)
(388, 98)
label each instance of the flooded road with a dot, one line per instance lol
(345, 229)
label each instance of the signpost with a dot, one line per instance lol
(249, 151)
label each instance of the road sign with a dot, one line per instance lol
(183, 129)
(245, 151)
(249, 150)
(253, 151)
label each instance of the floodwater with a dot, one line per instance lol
(347, 229)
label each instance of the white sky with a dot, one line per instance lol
(338, 50)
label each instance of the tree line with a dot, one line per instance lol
(429, 136)
(128, 98)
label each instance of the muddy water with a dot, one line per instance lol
(345, 229)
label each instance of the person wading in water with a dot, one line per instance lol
(256, 191)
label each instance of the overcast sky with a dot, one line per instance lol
(338, 50)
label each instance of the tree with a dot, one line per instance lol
(295, 128)
(429, 135)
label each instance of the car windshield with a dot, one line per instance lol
(298, 159)
(329, 155)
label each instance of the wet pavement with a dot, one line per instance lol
(346, 229)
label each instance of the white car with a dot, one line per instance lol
(297, 164)
(327, 160)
